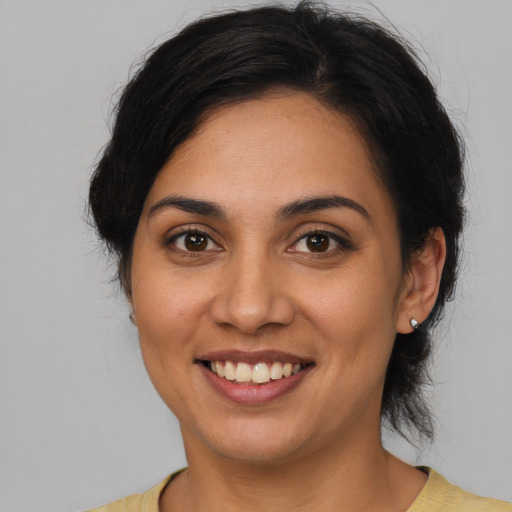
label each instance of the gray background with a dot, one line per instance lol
(79, 422)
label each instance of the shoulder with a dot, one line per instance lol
(147, 502)
(439, 495)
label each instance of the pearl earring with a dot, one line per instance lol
(414, 324)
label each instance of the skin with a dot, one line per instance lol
(257, 285)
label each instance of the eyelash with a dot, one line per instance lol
(183, 232)
(342, 243)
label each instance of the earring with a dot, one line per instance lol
(132, 318)
(414, 324)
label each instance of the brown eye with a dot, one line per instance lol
(322, 243)
(195, 242)
(317, 242)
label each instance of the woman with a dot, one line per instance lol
(283, 192)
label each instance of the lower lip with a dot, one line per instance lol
(253, 394)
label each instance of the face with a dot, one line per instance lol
(267, 246)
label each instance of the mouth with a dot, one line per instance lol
(262, 372)
(253, 378)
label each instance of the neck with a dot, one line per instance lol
(356, 474)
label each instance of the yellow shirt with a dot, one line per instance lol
(438, 495)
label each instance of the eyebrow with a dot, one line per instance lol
(315, 204)
(189, 205)
(294, 209)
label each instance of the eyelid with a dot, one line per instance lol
(181, 231)
(343, 241)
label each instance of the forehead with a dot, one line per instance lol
(271, 151)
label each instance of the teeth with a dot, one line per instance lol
(218, 369)
(260, 373)
(229, 371)
(276, 371)
(243, 372)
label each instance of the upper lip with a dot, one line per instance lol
(252, 357)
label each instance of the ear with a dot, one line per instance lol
(421, 282)
(129, 298)
(132, 316)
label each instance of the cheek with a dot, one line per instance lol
(169, 310)
(169, 313)
(355, 313)
(356, 298)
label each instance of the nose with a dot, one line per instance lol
(252, 297)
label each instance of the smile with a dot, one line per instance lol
(253, 378)
(260, 373)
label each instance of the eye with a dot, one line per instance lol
(319, 242)
(193, 241)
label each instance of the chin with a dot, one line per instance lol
(254, 442)
(258, 451)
